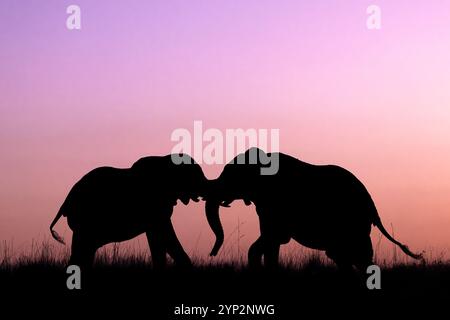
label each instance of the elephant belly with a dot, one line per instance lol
(117, 231)
(117, 222)
(329, 230)
(312, 239)
(109, 228)
(108, 206)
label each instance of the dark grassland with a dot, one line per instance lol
(125, 284)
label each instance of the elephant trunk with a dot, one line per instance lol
(212, 214)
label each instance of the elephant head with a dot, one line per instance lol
(177, 175)
(240, 180)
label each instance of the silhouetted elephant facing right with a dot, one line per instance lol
(322, 207)
(111, 205)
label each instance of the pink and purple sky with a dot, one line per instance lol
(376, 102)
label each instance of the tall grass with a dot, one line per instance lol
(48, 253)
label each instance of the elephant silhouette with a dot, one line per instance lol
(112, 205)
(323, 207)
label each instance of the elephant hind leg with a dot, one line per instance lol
(356, 251)
(364, 254)
(82, 252)
(346, 277)
(341, 259)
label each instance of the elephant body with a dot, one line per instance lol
(112, 205)
(108, 204)
(328, 197)
(323, 207)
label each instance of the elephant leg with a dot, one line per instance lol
(345, 258)
(271, 255)
(255, 253)
(174, 247)
(340, 257)
(273, 233)
(82, 251)
(158, 249)
(364, 253)
(345, 267)
(257, 249)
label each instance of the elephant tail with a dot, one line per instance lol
(404, 248)
(55, 234)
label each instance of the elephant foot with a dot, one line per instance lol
(184, 265)
(254, 260)
(254, 265)
(255, 254)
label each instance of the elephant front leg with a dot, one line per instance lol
(269, 249)
(157, 246)
(271, 255)
(255, 253)
(175, 249)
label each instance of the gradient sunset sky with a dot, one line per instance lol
(376, 102)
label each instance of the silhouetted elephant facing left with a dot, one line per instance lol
(322, 207)
(111, 205)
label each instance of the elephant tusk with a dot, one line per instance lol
(225, 204)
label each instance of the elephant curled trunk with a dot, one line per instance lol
(212, 215)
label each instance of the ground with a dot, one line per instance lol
(125, 286)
